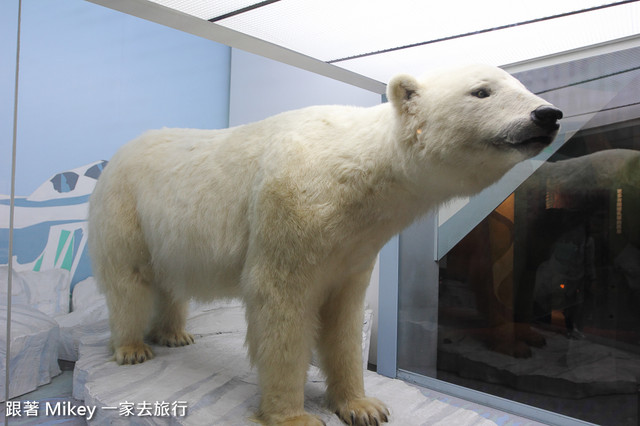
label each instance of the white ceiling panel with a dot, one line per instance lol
(378, 38)
(334, 29)
(503, 47)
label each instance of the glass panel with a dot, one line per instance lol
(538, 302)
(90, 79)
(8, 34)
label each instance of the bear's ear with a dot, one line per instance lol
(402, 92)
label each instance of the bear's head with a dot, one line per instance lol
(473, 117)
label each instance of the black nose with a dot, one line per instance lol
(547, 117)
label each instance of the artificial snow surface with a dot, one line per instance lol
(214, 380)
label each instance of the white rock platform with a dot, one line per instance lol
(212, 383)
(34, 350)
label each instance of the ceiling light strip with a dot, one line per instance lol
(243, 10)
(486, 30)
(211, 31)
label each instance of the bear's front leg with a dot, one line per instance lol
(281, 323)
(340, 349)
(168, 325)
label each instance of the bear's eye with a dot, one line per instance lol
(481, 93)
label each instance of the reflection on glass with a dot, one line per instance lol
(540, 302)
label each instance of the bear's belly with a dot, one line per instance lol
(198, 262)
(204, 281)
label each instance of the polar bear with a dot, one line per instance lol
(289, 213)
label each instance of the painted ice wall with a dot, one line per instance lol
(90, 80)
(50, 227)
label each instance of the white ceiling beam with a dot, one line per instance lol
(574, 54)
(181, 21)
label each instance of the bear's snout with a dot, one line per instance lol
(547, 117)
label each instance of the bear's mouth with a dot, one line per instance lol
(529, 146)
(534, 142)
(527, 137)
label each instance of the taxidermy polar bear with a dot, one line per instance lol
(289, 213)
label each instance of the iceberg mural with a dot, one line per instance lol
(50, 225)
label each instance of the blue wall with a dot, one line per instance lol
(262, 87)
(8, 19)
(92, 79)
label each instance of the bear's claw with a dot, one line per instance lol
(302, 420)
(173, 340)
(363, 412)
(133, 354)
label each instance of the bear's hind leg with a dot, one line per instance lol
(130, 303)
(168, 326)
(340, 350)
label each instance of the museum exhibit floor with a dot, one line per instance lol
(212, 382)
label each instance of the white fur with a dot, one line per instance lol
(288, 214)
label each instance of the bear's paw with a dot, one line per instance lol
(301, 420)
(363, 412)
(133, 354)
(173, 339)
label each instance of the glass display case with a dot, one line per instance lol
(525, 297)
(84, 90)
(531, 292)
